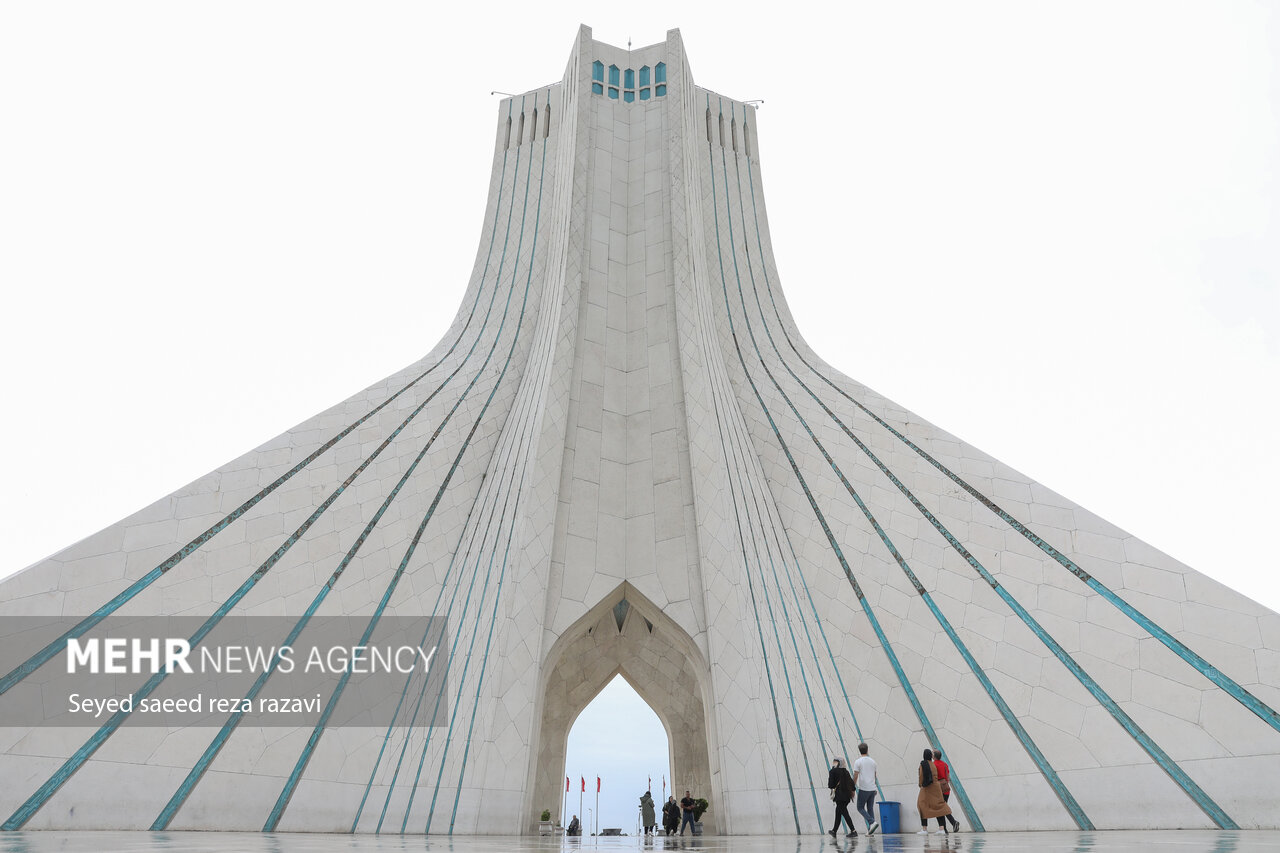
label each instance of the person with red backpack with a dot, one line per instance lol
(944, 777)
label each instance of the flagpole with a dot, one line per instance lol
(580, 793)
(597, 805)
(564, 804)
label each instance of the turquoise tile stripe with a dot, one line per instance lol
(448, 572)
(493, 618)
(471, 542)
(456, 639)
(1197, 795)
(282, 802)
(475, 628)
(763, 594)
(740, 464)
(41, 796)
(528, 420)
(198, 769)
(958, 786)
(1050, 775)
(479, 544)
(777, 525)
(746, 565)
(479, 503)
(795, 646)
(466, 665)
(120, 599)
(1233, 688)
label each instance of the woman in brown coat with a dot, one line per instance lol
(929, 802)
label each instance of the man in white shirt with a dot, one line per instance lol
(864, 780)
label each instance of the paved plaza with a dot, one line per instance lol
(1171, 841)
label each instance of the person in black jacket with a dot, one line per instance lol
(670, 815)
(841, 785)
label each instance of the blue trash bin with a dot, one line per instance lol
(889, 818)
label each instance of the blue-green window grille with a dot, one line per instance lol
(650, 83)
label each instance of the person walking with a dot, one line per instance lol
(647, 816)
(670, 814)
(929, 801)
(686, 811)
(944, 780)
(864, 782)
(841, 785)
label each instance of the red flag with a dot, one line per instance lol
(584, 784)
(566, 784)
(597, 784)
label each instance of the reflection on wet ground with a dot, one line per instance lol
(1173, 841)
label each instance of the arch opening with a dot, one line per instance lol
(625, 634)
(619, 744)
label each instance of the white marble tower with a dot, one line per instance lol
(623, 457)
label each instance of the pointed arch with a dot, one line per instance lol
(625, 634)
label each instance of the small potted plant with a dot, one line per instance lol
(544, 825)
(700, 805)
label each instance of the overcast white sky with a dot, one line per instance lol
(1051, 229)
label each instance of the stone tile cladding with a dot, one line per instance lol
(624, 411)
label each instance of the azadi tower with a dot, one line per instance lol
(624, 458)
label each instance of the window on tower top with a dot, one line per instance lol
(625, 84)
